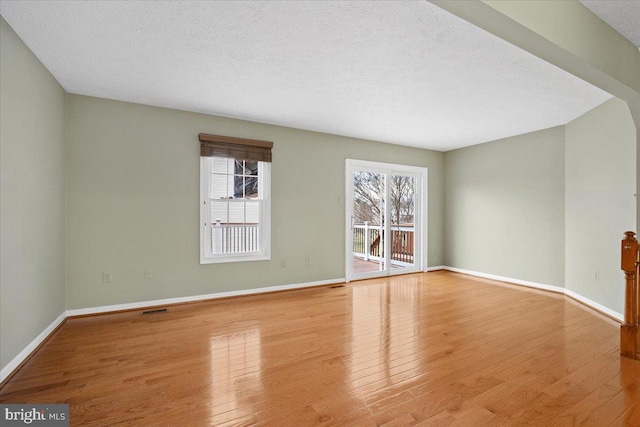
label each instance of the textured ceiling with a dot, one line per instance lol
(402, 72)
(622, 15)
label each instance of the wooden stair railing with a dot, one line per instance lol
(629, 339)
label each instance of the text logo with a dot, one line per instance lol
(34, 415)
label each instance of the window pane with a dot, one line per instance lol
(245, 179)
(219, 212)
(219, 186)
(219, 165)
(252, 212)
(236, 213)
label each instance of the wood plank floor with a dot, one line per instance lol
(432, 349)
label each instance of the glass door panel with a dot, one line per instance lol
(402, 221)
(368, 221)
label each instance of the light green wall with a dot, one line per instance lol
(548, 207)
(600, 203)
(32, 196)
(133, 192)
(504, 207)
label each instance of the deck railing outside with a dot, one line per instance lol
(366, 243)
(235, 238)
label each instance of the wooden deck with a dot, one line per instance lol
(429, 349)
(362, 266)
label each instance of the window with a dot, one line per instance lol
(235, 199)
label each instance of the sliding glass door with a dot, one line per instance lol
(384, 214)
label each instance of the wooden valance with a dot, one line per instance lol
(236, 148)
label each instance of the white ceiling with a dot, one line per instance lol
(622, 15)
(402, 72)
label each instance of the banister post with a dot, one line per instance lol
(629, 346)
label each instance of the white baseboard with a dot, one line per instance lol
(507, 279)
(167, 301)
(436, 268)
(16, 361)
(586, 301)
(595, 305)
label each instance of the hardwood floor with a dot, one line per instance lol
(432, 349)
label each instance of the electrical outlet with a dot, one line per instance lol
(597, 275)
(148, 273)
(283, 263)
(307, 260)
(107, 277)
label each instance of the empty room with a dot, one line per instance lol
(345, 213)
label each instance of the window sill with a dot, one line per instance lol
(234, 258)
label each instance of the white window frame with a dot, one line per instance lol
(264, 184)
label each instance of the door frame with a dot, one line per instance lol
(420, 220)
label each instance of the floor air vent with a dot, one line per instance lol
(157, 311)
(336, 286)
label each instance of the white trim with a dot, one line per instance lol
(384, 167)
(20, 357)
(507, 279)
(421, 217)
(264, 189)
(435, 268)
(178, 300)
(595, 305)
(424, 217)
(586, 301)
